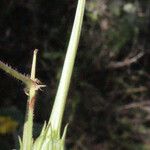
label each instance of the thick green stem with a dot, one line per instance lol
(60, 100)
(27, 133)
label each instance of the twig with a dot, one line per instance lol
(135, 105)
(126, 62)
(136, 90)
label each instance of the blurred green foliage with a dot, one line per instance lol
(108, 106)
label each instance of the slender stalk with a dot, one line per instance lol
(60, 100)
(27, 133)
(8, 69)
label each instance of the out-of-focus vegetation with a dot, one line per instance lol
(109, 100)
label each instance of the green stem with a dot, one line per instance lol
(60, 100)
(8, 69)
(28, 126)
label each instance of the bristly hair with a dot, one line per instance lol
(8, 69)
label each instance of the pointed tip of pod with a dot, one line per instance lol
(35, 51)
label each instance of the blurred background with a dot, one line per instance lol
(108, 106)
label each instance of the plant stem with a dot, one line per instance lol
(27, 133)
(60, 100)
